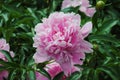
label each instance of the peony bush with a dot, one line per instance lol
(59, 40)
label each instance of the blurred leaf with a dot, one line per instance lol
(87, 74)
(23, 72)
(22, 57)
(2, 68)
(3, 62)
(110, 72)
(9, 65)
(14, 12)
(104, 38)
(32, 75)
(107, 25)
(70, 9)
(74, 76)
(53, 5)
(25, 20)
(33, 15)
(30, 61)
(94, 20)
(96, 75)
(11, 74)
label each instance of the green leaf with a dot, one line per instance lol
(107, 25)
(53, 5)
(110, 72)
(32, 75)
(86, 73)
(23, 72)
(8, 33)
(74, 76)
(7, 55)
(11, 10)
(30, 61)
(95, 19)
(5, 16)
(70, 9)
(11, 74)
(33, 14)
(43, 12)
(25, 20)
(9, 64)
(22, 57)
(2, 68)
(58, 76)
(104, 38)
(4, 63)
(96, 74)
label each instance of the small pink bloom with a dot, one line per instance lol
(3, 74)
(84, 6)
(4, 46)
(60, 37)
(69, 3)
(53, 69)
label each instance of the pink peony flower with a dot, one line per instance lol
(61, 38)
(4, 46)
(84, 6)
(53, 69)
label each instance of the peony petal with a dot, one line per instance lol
(86, 29)
(86, 47)
(90, 12)
(83, 9)
(85, 3)
(78, 58)
(67, 67)
(40, 76)
(39, 58)
(53, 69)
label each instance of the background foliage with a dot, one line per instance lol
(19, 17)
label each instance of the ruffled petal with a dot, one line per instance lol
(86, 29)
(39, 58)
(78, 58)
(67, 67)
